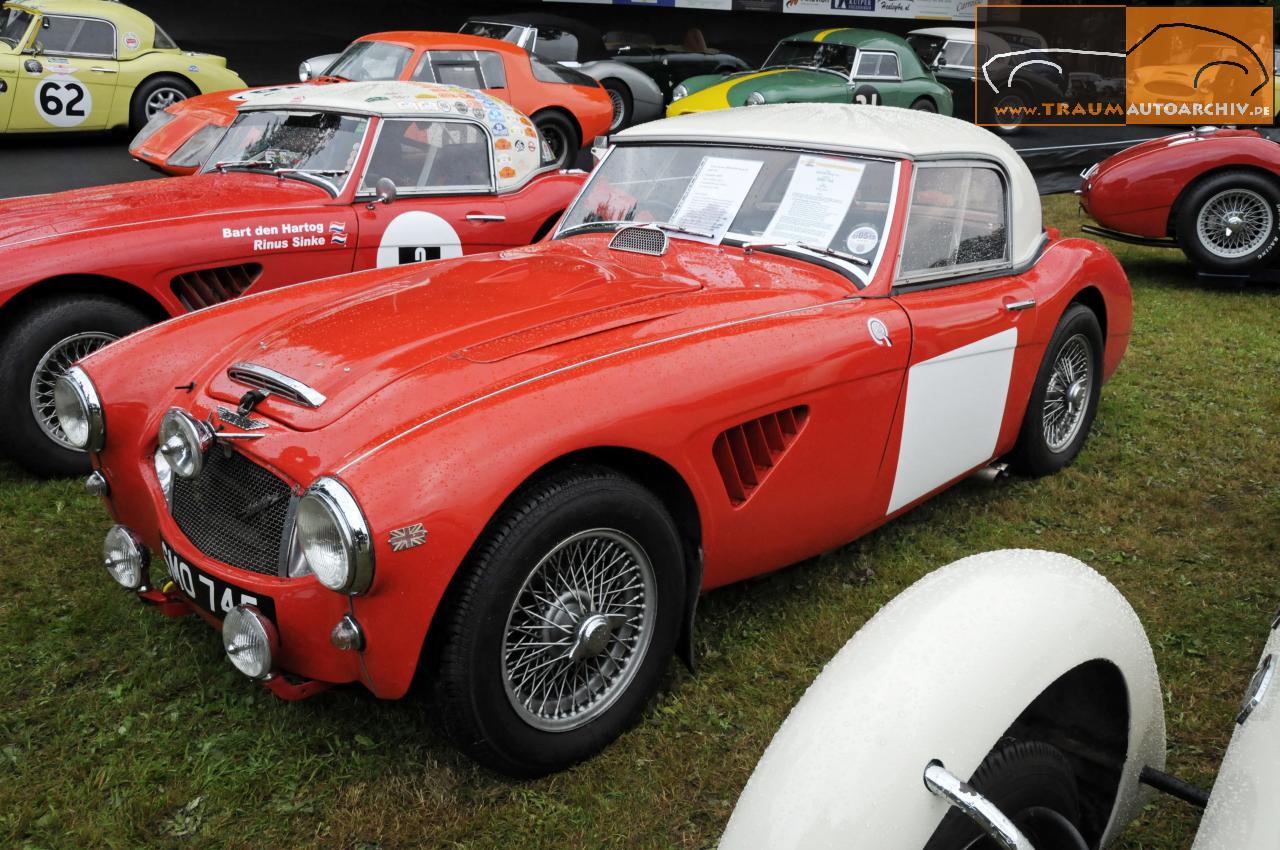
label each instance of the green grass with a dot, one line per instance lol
(119, 728)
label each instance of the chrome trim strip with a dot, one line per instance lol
(960, 795)
(306, 395)
(589, 361)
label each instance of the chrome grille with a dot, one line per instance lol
(640, 240)
(234, 511)
(206, 287)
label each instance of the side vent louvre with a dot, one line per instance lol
(207, 287)
(747, 453)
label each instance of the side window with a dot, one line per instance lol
(492, 69)
(878, 65)
(958, 218)
(96, 38)
(556, 45)
(57, 34)
(430, 155)
(472, 69)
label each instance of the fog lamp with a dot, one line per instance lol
(184, 441)
(250, 641)
(125, 557)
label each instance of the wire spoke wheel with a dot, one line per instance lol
(1234, 223)
(555, 142)
(619, 108)
(161, 99)
(1067, 395)
(53, 365)
(579, 629)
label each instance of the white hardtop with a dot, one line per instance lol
(884, 130)
(386, 97)
(964, 34)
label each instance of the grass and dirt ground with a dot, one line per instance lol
(122, 729)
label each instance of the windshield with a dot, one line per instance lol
(745, 195)
(370, 60)
(315, 146)
(812, 54)
(501, 32)
(13, 26)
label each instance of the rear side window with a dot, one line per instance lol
(80, 36)
(551, 72)
(163, 42)
(958, 221)
(877, 65)
(473, 69)
(430, 156)
(556, 45)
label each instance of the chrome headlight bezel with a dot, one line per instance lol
(180, 433)
(679, 92)
(335, 504)
(74, 394)
(755, 99)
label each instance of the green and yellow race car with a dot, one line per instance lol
(94, 65)
(823, 66)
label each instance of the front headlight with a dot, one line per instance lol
(164, 474)
(679, 92)
(183, 442)
(304, 71)
(79, 410)
(125, 557)
(153, 125)
(334, 537)
(196, 150)
(755, 99)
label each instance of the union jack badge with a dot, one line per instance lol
(407, 537)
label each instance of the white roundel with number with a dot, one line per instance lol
(63, 101)
(415, 237)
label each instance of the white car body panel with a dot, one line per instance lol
(940, 673)
(1243, 811)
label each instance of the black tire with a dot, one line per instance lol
(27, 338)
(169, 88)
(1010, 100)
(478, 704)
(923, 104)
(1044, 447)
(1257, 200)
(560, 135)
(623, 105)
(1023, 780)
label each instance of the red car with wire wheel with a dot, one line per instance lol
(307, 183)
(569, 108)
(1213, 192)
(755, 335)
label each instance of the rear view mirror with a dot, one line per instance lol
(385, 189)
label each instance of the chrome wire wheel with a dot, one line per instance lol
(1234, 223)
(578, 630)
(161, 99)
(1066, 398)
(54, 364)
(556, 143)
(619, 108)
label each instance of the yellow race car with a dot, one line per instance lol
(94, 65)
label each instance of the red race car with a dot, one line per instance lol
(308, 183)
(756, 334)
(1214, 193)
(569, 108)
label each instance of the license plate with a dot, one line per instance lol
(210, 592)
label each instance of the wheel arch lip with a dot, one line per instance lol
(940, 673)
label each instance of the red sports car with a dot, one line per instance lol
(1214, 193)
(756, 334)
(308, 183)
(569, 108)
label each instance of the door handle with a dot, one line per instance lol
(1014, 306)
(485, 217)
(102, 70)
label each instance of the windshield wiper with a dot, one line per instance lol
(748, 247)
(676, 228)
(241, 163)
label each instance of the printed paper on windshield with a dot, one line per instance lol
(713, 197)
(816, 201)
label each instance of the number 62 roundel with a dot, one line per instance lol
(63, 101)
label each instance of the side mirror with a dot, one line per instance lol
(385, 189)
(35, 49)
(940, 62)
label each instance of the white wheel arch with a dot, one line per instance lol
(940, 673)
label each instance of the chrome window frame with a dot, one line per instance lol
(854, 76)
(115, 35)
(866, 274)
(362, 194)
(968, 271)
